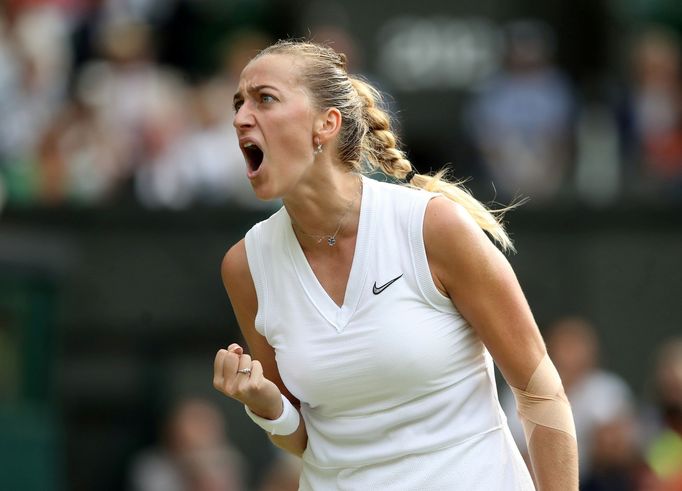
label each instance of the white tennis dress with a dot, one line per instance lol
(396, 390)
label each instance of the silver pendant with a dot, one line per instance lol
(331, 241)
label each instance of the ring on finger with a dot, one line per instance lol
(246, 371)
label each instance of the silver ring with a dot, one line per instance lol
(247, 371)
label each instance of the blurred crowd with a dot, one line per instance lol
(194, 453)
(539, 136)
(94, 109)
(89, 114)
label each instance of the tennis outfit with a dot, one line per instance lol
(397, 392)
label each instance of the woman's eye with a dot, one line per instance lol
(267, 98)
(237, 105)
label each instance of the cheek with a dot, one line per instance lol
(294, 136)
(295, 119)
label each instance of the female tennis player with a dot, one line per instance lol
(373, 311)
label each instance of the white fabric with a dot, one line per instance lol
(396, 390)
(286, 424)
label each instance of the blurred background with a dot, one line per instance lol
(121, 187)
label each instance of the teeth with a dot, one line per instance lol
(248, 145)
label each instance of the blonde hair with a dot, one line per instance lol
(366, 136)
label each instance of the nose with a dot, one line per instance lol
(244, 117)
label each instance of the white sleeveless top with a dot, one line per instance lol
(397, 392)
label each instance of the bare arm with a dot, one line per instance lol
(262, 388)
(469, 269)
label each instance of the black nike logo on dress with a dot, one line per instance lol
(378, 289)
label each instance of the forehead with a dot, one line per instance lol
(278, 71)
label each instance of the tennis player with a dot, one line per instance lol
(373, 311)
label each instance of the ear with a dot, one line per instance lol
(327, 125)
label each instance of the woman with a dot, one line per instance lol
(371, 309)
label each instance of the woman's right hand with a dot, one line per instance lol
(261, 395)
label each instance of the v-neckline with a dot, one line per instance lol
(338, 316)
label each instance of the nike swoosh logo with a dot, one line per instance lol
(378, 289)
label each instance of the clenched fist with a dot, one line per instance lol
(236, 375)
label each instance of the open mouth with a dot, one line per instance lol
(254, 156)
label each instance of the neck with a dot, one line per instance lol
(327, 210)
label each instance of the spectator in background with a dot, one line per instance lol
(283, 474)
(81, 160)
(664, 447)
(651, 117)
(132, 94)
(35, 60)
(194, 454)
(601, 401)
(522, 119)
(617, 463)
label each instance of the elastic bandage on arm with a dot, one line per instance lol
(544, 401)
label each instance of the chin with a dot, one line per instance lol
(264, 192)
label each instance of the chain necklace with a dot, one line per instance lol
(331, 238)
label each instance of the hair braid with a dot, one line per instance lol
(382, 151)
(381, 144)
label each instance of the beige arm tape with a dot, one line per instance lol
(544, 401)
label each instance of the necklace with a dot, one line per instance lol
(331, 238)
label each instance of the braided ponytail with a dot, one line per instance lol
(380, 145)
(366, 134)
(381, 150)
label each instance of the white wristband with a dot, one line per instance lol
(286, 424)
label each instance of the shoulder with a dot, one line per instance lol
(235, 266)
(449, 226)
(271, 222)
(460, 254)
(260, 234)
(239, 284)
